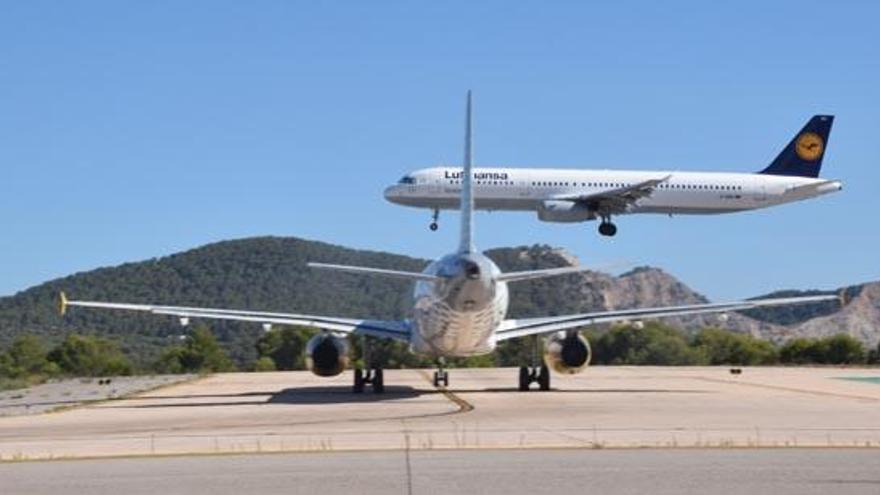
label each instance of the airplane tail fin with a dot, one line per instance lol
(466, 244)
(803, 155)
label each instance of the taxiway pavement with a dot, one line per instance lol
(655, 471)
(604, 407)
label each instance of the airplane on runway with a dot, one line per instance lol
(575, 195)
(460, 307)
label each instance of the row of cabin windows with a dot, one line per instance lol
(705, 187)
(708, 187)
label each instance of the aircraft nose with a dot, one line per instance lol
(391, 193)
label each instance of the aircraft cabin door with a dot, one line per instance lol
(523, 190)
(431, 185)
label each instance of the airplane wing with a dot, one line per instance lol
(617, 200)
(511, 329)
(395, 330)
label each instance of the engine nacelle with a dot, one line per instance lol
(327, 354)
(567, 353)
(564, 211)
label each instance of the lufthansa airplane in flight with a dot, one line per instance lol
(575, 195)
(459, 309)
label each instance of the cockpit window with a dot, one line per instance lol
(406, 179)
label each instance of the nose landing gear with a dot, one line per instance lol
(441, 376)
(434, 217)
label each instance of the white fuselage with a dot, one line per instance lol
(459, 314)
(533, 189)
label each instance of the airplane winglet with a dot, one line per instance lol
(62, 303)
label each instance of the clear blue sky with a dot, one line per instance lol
(130, 130)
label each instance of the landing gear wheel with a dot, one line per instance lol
(544, 378)
(378, 381)
(358, 381)
(529, 375)
(607, 229)
(441, 377)
(524, 378)
(373, 377)
(434, 217)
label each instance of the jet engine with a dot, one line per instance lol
(564, 211)
(567, 353)
(327, 354)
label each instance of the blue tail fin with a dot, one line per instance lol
(803, 155)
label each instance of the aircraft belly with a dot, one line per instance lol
(506, 204)
(691, 204)
(686, 210)
(451, 202)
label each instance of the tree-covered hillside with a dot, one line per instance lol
(266, 273)
(270, 274)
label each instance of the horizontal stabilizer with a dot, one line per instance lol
(533, 274)
(374, 271)
(815, 187)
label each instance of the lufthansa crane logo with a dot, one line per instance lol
(809, 146)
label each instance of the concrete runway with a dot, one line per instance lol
(655, 471)
(604, 407)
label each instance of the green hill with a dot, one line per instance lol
(270, 274)
(266, 273)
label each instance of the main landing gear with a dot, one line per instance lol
(531, 374)
(534, 373)
(368, 376)
(434, 217)
(441, 376)
(607, 228)
(372, 377)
